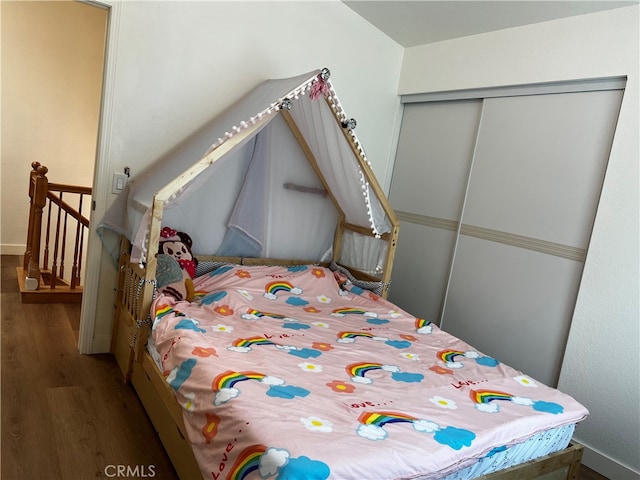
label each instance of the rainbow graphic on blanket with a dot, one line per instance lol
(486, 396)
(247, 462)
(448, 356)
(229, 378)
(260, 314)
(380, 419)
(354, 335)
(361, 369)
(249, 342)
(163, 310)
(340, 312)
(421, 322)
(278, 286)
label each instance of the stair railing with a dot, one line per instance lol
(62, 218)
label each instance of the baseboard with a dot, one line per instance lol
(101, 344)
(606, 466)
(12, 249)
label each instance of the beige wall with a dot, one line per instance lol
(601, 367)
(52, 59)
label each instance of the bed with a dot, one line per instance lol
(284, 359)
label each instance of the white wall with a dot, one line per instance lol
(174, 65)
(601, 367)
(52, 59)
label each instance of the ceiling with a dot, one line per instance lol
(418, 22)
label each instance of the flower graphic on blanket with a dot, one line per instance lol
(273, 288)
(525, 381)
(372, 427)
(210, 429)
(341, 387)
(423, 326)
(350, 337)
(341, 312)
(224, 386)
(443, 402)
(357, 372)
(316, 424)
(484, 401)
(318, 273)
(269, 461)
(224, 310)
(448, 357)
(204, 352)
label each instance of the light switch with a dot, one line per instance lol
(119, 182)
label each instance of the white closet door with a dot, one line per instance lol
(533, 192)
(427, 192)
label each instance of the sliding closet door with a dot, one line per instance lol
(533, 191)
(427, 193)
(497, 193)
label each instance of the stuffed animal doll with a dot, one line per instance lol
(176, 265)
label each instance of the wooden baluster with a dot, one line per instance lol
(75, 275)
(64, 244)
(45, 261)
(54, 263)
(40, 187)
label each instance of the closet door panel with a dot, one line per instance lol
(513, 304)
(423, 255)
(433, 158)
(427, 192)
(540, 164)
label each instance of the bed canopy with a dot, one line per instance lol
(280, 174)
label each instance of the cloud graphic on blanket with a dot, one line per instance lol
(272, 289)
(269, 461)
(372, 427)
(224, 386)
(357, 372)
(189, 324)
(179, 375)
(448, 357)
(483, 400)
(213, 297)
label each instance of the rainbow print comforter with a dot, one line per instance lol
(288, 373)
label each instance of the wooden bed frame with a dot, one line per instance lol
(131, 328)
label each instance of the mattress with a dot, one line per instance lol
(295, 373)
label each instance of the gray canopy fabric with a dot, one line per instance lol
(244, 185)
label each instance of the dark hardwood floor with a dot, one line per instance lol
(66, 415)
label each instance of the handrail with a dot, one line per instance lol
(50, 196)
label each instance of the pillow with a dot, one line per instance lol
(373, 286)
(271, 281)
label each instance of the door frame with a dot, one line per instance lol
(86, 342)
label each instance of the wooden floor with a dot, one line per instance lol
(66, 415)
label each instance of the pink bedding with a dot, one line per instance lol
(283, 374)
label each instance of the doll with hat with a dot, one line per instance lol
(176, 265)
